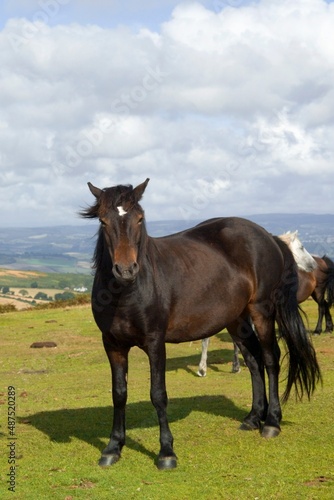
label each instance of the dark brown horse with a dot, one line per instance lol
(187, 286)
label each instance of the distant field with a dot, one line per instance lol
(32, 291)
(18, 275)
(51, 263)
(24, 279)
(48, 283)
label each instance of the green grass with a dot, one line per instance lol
(63, 419)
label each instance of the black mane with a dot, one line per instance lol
(99, 251)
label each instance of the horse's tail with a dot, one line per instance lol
(329, 280)
(303, 368)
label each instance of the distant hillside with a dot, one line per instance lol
(68, 249)
(48, 249)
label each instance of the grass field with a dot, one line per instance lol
(63, 419)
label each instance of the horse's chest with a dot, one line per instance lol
(123, 327)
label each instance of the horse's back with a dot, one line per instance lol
(221, 243)
(240, 242)
(226, 232)
(230, 230)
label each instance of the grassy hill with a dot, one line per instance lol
(63, 419)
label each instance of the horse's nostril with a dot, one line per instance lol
(118, 269)
(135, 268)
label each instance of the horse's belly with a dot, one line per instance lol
(194, 320)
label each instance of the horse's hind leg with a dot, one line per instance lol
(318, 298)
(244, 337)
(203, 362)
(202, 367)
(119, 368)
(321, 313)
(329, 321)
(265, 328)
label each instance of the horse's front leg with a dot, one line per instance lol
(156, 352)
(118, 360)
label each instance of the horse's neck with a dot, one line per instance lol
(151, 260)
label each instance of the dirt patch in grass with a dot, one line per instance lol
(318, 481)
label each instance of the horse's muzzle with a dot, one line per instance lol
(125, 274)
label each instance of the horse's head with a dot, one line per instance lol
(303, 258)
(121, 219)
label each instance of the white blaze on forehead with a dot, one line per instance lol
(121, 211)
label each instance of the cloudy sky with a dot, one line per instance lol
(228, 106)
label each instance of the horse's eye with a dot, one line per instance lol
(140, 220)
(102, 222)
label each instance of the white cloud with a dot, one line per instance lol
(220, 107)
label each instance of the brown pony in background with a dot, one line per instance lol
(319, 284)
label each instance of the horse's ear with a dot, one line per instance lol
(94, 190)
(139, 190)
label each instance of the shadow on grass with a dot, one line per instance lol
(88, 424)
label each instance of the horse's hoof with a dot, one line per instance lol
(107, 460)
(201, 373)
(236, 370)
(269, 431)
(165, 463)
(247, 427)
